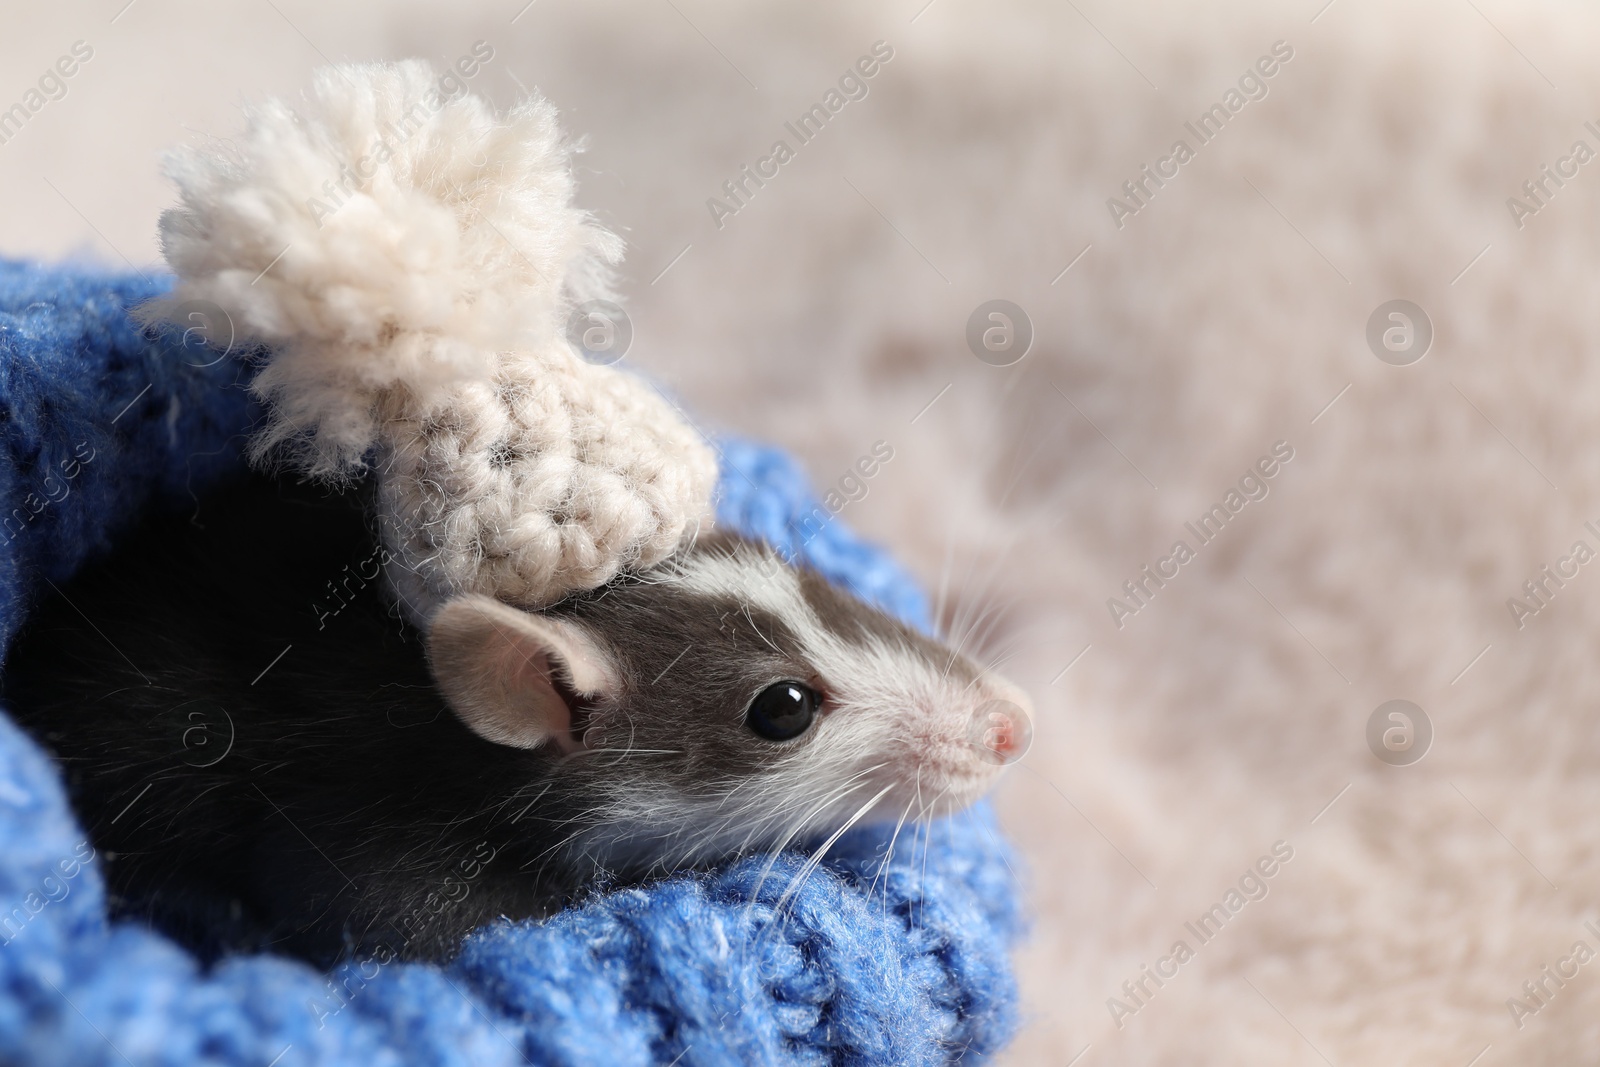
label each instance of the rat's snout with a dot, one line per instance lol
(964, 738)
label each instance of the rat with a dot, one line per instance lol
(267, 756)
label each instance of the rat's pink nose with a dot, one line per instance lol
(1001, 731)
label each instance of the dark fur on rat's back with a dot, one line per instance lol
(349, 799)
(263, 765)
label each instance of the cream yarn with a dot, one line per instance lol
(408, 259)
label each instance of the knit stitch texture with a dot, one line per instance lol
(869, 962)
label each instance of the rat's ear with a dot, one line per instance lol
(510, 675)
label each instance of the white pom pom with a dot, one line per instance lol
(380, 235)
(408, 260)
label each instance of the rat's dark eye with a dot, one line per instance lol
(780, 712)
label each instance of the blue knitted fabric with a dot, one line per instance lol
(866, 962)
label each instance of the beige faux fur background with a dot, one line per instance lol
(1227, 314)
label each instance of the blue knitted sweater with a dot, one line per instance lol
(867, 964)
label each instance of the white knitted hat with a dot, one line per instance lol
(409, 261)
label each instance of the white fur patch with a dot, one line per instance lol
(750, 577)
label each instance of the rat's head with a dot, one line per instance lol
(724, 701)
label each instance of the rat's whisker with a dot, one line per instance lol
(769, 803)
(978, 605)
(944, 579)
(927, 847)
(795, 830)
(888, 853)
(996, 615)
(622, 752)
(816, 857)
(764, 811)
(526, 807)
(985, 620)
(1007, 653)
(964, 607)
(751, 619)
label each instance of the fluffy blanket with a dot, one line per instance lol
(866, 965)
